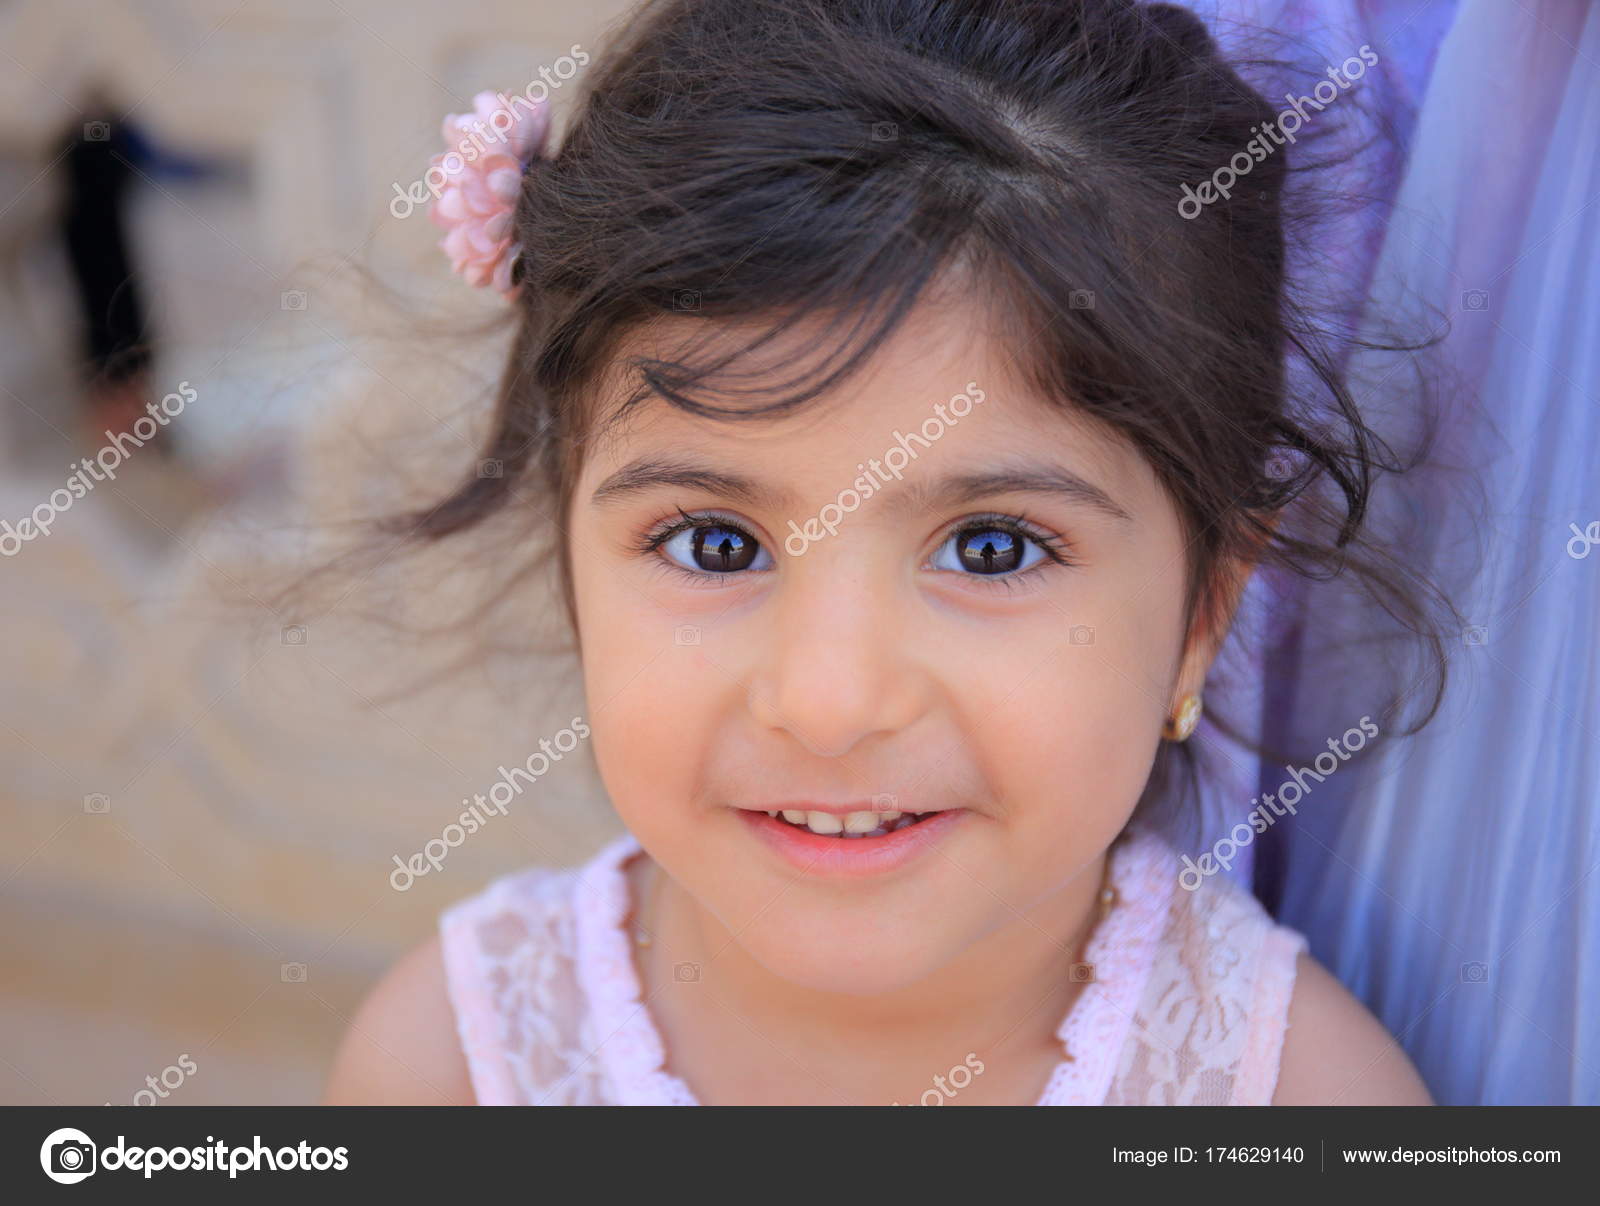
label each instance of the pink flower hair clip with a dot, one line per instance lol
(481, 172)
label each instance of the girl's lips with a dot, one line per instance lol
(838, 856)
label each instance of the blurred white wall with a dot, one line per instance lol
(200, 784)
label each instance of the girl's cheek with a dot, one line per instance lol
(649, 677)
(1072, 739)
(1076, 732)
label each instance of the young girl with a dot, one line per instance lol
(909, 449)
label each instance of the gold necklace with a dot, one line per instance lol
(1108, 902)
(1108, 893)
(641, 935)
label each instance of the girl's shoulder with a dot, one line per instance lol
(1338, 1053)
(401, 1048)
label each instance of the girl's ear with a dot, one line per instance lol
(1213, 617)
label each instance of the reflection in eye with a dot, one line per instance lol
(715, 547)
(998, 548)
(988, 549)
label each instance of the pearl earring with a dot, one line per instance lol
(1181, 726)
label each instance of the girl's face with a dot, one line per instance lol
(989, 642)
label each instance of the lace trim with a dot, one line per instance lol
(1122, 953)
(628, 1045)
(1188, 1005)
(479, 1024)
(507, 955)
(1257, 1078)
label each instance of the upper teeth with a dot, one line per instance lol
(853, 824)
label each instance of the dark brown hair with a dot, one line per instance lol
(788, 161)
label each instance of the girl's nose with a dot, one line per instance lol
(842, 665)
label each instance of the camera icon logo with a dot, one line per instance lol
(292, 973)
(1474, 973)
(1080, 634)
(491, 468)
(885, 131)
(1280, 466)
(295, 634)
(1081, 973)
(686, 973)
(67, 1156)
(96, 131)
(686, 299)
(885, 802)
(1477, 634)
(1475, 299)
(293, 299)
(1081, 299)
(685, 634)
(98, 802)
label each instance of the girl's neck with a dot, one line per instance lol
(1001, 998)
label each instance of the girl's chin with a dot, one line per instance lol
(877, 970)
(830, 951)
(858, 928)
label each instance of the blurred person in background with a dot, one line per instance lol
(116, 338)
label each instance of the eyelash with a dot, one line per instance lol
(1057, 549)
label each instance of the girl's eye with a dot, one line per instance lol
(990, 549)
(714, 547)
(998, 548)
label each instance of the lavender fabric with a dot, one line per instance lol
(1451, 882)
(1283, 48)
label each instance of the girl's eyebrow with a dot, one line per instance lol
(1027, 477)
(652, 473)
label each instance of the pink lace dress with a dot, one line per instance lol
(1188, 1006)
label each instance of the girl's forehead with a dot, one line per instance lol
(946, 334)
(930, 438)
(946, 382)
